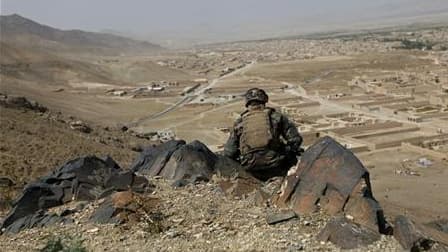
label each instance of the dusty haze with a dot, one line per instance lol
(175, 22)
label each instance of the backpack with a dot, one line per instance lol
(257, 133)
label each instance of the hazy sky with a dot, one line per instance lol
(214, 19)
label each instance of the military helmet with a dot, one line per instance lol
(256, 94)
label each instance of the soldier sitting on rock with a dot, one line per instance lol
(263, 140)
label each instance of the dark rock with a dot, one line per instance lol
(284, 215)
(227, 167)
(136, 147)
(38, 219)
(180, 183)
(346, 234)
(191, 161)
(409, 236)
(33, 198)
(85, 178)
(146, 135)
(184, 163)
(153, 158)
(124, 128)
(104, 214)
(330, 177)
(20, 102)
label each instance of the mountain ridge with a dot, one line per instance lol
(26, 32)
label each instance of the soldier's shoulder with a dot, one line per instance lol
(239, 120)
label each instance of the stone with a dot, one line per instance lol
(409, 236)
(153, 158)
(330, 177)
(284, 215)
(190, 161)
(86, 178)
(38, 219)
(347, 234)
(20, 102)
(227, 167)
(184, 163)
(80, 126)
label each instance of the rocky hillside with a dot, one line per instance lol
(26, 32)
(35, 140)
(180, 196)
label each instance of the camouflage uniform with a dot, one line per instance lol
(274, 160)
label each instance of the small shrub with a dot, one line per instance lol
(7, 196)
(69, 244)
(154, 223)
(410, 44)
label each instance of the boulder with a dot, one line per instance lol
(38, 219)
(347, 234)
(85, 178)
(191, 161)
(409, 236)
(184, 163)
(20, 102)
(152, 159)
(330, 178)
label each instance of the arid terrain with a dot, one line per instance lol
(383, 95)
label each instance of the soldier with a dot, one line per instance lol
(263, 140)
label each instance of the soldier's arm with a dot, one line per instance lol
(232, 148)
(291, 134)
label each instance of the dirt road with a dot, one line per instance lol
(192, 96)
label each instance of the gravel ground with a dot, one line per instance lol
(195, 218)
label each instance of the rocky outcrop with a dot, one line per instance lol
(347, 234)
(36, 220)
(330, 178)
(153, 158)
(20, 102)
(85, 178)
(184, 163)
(409, 236)
(416, 237)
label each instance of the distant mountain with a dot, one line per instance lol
(27, 33)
